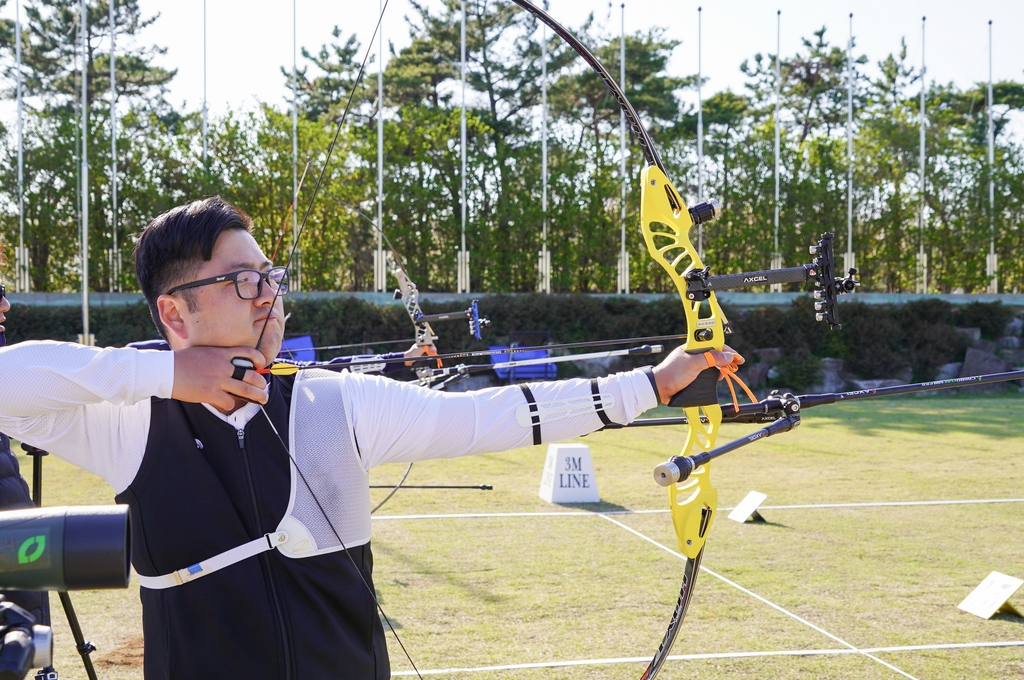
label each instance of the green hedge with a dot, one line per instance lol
(877, 341)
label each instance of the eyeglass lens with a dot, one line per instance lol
(250, 282)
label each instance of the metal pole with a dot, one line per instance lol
(544, 267)
(115, 255)
(849, 150)
(700, 139)
(777, 254)
(463, 255)
(295, 136)
(623, 255)
(993, 264)
(205, 124)
(922, 257)
(86, 339)
(378, 270)
(22, 260)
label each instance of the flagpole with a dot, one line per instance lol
(993, 262)
(295, 140)
(463, 273)
(22, 282)
(544, 261)
(700, 139)
(922, 258)
(83, 28)
(623, 255)
(777, 254)
(850, 262)
(379, 275)
(205, 124)
(115, 254)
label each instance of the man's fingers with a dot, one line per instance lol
(736, 356)
(727, 357)
(722, 358)
(244, 390)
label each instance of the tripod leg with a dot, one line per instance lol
(84, 647)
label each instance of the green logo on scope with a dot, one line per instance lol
(35, 544)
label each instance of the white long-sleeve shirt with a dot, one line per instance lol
(91, 407)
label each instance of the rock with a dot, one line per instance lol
(949, 371)
(754, 375)
(1014, 327)
(769, 355)
(972, 333)
(773, 373)
(904, 375)
(1014, 356)
(1009, 342)
(986, 346)
(876, 384)
(834, 365)
(977, 362)
(831, 379)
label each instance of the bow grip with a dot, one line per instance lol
(703, 391)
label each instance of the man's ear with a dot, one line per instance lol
(173, 314)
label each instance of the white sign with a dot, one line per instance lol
(747, 509)
(992, 595)
(569, 475)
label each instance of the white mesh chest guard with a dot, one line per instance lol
(322, 443)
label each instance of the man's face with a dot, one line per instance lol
(221, 318)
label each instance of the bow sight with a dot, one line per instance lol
(476, 322)
(410, 297)
(700, 283)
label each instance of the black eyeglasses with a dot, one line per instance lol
(248, 282)
(3, 291)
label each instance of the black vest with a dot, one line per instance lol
(268, 616)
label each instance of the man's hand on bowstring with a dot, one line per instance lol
(418, 351)
(680, 368)
(206, 374)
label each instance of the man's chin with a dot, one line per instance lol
(270, 345)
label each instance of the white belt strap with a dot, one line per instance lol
(225, 559)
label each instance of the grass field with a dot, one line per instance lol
(801, 596)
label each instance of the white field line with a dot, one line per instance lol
(761, 599)
(587, 513)
(697, 657)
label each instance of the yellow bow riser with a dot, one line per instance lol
(666, 223)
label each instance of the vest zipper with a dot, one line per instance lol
(264, 558)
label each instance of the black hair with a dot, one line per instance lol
(172, 247)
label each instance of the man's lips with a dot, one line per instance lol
(271, 317)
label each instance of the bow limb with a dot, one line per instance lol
(665, 222)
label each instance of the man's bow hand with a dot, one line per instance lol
(681, 368)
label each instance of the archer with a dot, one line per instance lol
(249, 495)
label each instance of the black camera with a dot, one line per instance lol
(60, 548)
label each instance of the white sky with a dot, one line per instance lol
(248, 42)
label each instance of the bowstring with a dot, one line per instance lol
(327, 163)
(277, 294)
(344, 548)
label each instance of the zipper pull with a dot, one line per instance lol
(241, 439)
